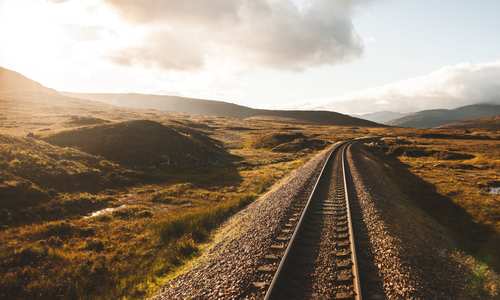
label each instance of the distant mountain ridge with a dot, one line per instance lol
(438, 117)
(17, 89)
(221, 108)
(382, 117)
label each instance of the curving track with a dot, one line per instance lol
(314, 256)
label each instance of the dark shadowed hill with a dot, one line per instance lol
(142, 143)
(438, 117)
(223, 109)
(488, 123)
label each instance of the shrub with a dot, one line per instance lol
(187, 248)
(94, 245)
(31, 254)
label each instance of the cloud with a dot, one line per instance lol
(448, 87)
(186, 11)
(164, 50)
(267, 33)
(86, 33)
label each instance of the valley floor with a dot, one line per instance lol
(76, 223)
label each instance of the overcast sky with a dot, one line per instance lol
(351, 56)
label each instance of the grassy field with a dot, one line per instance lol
(78, 224)
(83, 221)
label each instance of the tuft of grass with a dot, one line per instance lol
(187, 248)
(477, 280)
(482, 282)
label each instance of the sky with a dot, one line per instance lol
(353, 56)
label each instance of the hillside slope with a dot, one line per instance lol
(222, 109)
(27, 106)
(488, 123)
(438, 117)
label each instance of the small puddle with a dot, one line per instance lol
(495, 190)
(105, 211)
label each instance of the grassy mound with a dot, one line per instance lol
(271, 140)
(85, 121)
(300, 144)
(287, 142)
(143, 143)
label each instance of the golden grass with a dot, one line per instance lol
(159, 225)
(154, 229)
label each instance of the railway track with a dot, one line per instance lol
(314, 255)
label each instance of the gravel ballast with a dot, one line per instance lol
(412, 255)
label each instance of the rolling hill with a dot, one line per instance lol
(438, 117)
(27, 106)
(222, 109)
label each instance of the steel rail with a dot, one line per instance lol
(355, 270)
(278, 273)
(272, 290)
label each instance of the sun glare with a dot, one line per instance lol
(30, 39)
(42, 39)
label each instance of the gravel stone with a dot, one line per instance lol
(409, 251)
